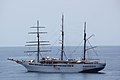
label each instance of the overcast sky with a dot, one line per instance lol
(102, 17)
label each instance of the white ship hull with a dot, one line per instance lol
(66, 68)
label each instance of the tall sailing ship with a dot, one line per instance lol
(47, 64)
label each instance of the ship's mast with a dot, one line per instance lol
(38, 49)
(62, 48)
(84, 58)
(38, 42)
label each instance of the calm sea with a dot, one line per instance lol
(12, 71)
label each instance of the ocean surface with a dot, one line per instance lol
(12, 71)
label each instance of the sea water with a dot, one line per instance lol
(12, 71)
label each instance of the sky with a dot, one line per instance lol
(102, 17)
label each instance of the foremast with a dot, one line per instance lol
(38, 47)
(39, 42)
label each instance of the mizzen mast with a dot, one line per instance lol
(84, 58)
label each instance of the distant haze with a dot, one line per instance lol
(102, 17)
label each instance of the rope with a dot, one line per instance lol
(55, 42)
(93, 48)
(75, 48)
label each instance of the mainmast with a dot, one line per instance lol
(62, 48)
(84, 41)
